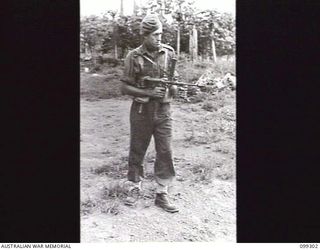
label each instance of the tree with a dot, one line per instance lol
(213, 32)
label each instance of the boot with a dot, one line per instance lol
(133, 193)
(163, 202)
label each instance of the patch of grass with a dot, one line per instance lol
(112, 197)
(191, 71)
(209, 168)
(203, 173)
(103, 85)
(87, 206)
(211, 89)
(188, 72)
(208, 106)
(114, 189)
(105, 200)
(114, 72)
(115, 170)
(201, 97)
(112, 208)
(226, 172)
(222, 67)
(197, 138)
(99, 87)
(105, 169)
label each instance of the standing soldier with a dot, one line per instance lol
(150, 113)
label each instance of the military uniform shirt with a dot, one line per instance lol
(140, 63)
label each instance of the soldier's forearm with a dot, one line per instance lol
(133, 91)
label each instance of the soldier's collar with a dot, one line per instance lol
(143, 50)
(161, 49)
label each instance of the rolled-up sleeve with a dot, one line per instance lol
(129, 74)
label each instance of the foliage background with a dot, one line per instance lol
(100, 34)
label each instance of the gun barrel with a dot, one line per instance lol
(178, 83)
(170, 82)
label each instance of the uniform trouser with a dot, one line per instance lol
(147, 120)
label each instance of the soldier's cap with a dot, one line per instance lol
(149, 24)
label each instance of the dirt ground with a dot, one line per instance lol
(204, 158)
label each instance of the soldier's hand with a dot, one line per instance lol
(158, 92)
(173, 90)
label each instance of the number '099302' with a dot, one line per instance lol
(309, 246)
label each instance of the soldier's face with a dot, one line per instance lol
(153, 40)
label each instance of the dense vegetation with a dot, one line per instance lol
(115, 34)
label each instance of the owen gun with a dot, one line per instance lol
(152, 82)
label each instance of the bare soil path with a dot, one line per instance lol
(204, 190)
